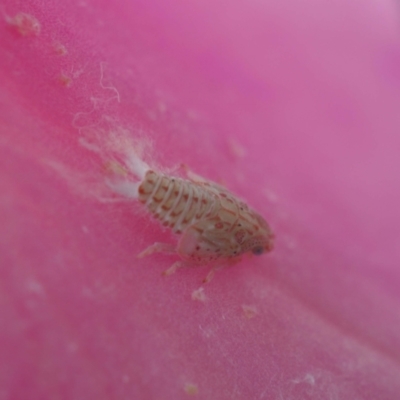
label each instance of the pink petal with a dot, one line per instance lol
(292, 105)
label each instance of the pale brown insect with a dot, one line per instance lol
(216, 227)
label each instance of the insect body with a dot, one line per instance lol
(216, 227)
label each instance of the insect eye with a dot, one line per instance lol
(258, 250)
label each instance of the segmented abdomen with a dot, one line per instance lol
(177, 203)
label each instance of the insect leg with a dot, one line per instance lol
(157, 248)
(212, 272)
(172, 269)
(218, 267)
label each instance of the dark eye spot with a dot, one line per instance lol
(258, 250)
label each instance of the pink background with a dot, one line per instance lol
(294, 106)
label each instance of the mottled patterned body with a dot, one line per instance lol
(215, 225)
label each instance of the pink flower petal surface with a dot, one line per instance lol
(294, 106)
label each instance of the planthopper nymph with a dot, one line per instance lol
(215, 227)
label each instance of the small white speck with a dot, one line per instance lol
(309, 378)
(199, 295)
(206, 332)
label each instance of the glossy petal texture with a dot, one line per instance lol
(292, 105)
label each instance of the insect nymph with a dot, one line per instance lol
(216, 227)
